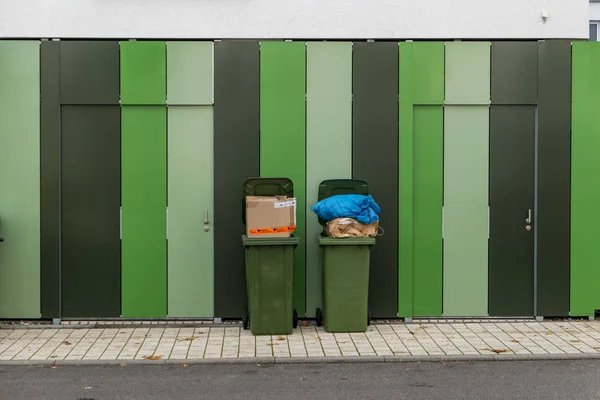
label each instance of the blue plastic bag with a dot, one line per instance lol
(364, 209)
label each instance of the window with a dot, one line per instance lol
(593, 31)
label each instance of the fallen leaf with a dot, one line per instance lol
(123, 364)
(421, 327)
(87, 388)
(54, 367)
(499, 351)
(280, 337)
(548, 333)
(411, 332)
(153, 358)
(52, 356)
(189, 339)
(66, 342)
(186, 365)
(515, 341)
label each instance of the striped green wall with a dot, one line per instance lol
(197, 118)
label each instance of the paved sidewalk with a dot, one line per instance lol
(382, 342)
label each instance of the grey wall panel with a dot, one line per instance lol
(49, 178)
(89, 72)
(375, 159)
(91, 198)
(554, 178)
(514, 73)
(236, 157)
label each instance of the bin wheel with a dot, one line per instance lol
(245, 320)
(295, 320)
(368, 317)
(319, 317)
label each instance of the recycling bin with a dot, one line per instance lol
(269, 268)
(346, 265)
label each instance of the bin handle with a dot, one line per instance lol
(379, 228)
(206, 221)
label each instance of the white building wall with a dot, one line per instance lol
(294, 19)
(595, 11)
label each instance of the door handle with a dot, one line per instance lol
(528, 220)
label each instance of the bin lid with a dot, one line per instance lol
(265, 187)
(334, 187)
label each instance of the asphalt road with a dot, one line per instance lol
(564, 380)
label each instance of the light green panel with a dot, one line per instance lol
(189, 73)
(585, 169)
(20, 179)
(465, 229)
(283, 135)
(468, 73)
(328, 126)
(190, 191)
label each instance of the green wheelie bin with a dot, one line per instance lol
(269, 269)
(346, 264)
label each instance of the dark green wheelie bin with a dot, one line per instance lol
(346, 264)
(269, 269)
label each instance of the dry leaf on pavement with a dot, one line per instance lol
(153, 358)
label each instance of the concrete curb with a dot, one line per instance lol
(310, 360)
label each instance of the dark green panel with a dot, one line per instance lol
(49, 178)
(514, 73)
(512, 169)
(554, 178)
(236, 121)
(375, 159)
(89, 72)
(90, 202)
(143, 73)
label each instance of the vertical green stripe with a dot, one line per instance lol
(143, 180)
(143, 73)
(428, 140)
(283, 134)
(190, 197)
(585, 169)
(328, 126)
(405, 175)
(466, 160)
(190, 73)
(468, 73)
(421, 82)
(20, 179)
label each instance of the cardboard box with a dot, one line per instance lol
(270, 216)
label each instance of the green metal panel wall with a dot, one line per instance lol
(20, 179)
(89, 72)
(237, 122)
(50, 177)
(143, 72)
(554, 177)
(421, 81)
(466, 146)
(585, 169)
(328, 143)
(514, 73)
(283, 134)
(190, 180)
(143, 191)
(467, 73)
(90, 201)
(375, 160)
(189, 73)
